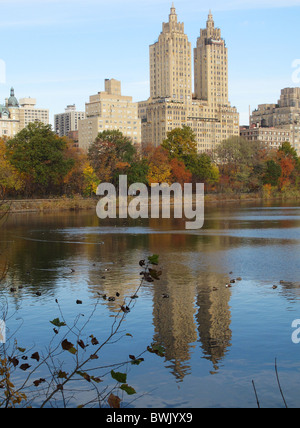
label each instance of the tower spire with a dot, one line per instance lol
(210, 20)
(173, 14)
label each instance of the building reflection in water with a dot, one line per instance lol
(194, 311)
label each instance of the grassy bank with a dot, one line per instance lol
(79, 203)
(48, 205)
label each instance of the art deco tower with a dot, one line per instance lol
(211, 66)
(170, 62)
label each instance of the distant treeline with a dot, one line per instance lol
(38, 163)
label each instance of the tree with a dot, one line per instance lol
(38, 154)
(91, 181)
(10, 180)
(159, 167)
(110, 153)
(272, 173)
(74, 181)
(138, 171)
(179, 173)
(180, 143)
(240, 162)
(202, 168)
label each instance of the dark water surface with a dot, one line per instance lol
(216, 339)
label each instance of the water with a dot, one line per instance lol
(216, 339)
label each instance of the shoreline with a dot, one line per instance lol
(84, 204)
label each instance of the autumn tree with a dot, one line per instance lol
(179, 173)
(10, 179)
(180, 143)
(110, 154)
(159, 167)
(74, 181)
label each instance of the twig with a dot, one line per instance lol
(258, 405)
(279, 384)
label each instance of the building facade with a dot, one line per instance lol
(67, 122)
(271, 138)
(109, 110)
(172, 103)
(285, 115)
(15, 115)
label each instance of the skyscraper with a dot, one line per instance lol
(170, 62)
(211, 66)
(172, 103)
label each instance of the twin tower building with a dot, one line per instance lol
(172, 102)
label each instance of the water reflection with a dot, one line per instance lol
(50, 252)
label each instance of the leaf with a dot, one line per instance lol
(14, 361)
(21, 350)
(94, 341)
(137, 362)
(94, 357)
(85, 376)
(58, 323)
(154, 260)
(25, 367)
(38, 382)
(81, 344)
(78, 302)
(62, 375)
(155, 274)
(114, 401)
(119, 377)
(68, 346)
(125, 309)
(128, 389)
(35, 356)
(156, 349)
(96, 379)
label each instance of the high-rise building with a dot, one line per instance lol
(285, 115)
(109, 110)
(211, 66)
(15, 115)
(67, 122)
(172, 103)
(170, 62)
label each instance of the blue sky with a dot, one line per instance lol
(60, 51)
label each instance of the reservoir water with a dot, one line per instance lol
(216, 339)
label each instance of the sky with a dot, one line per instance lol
(61, 51)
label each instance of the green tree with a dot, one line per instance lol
(180, 143)
(272, 173)
(38, 154)
(138, 171)
(202, 168)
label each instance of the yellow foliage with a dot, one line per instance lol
(159, 174)
(12, 396)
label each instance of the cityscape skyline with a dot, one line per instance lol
(260, 61)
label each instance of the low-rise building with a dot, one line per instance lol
(271, 137)
(15, 115)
